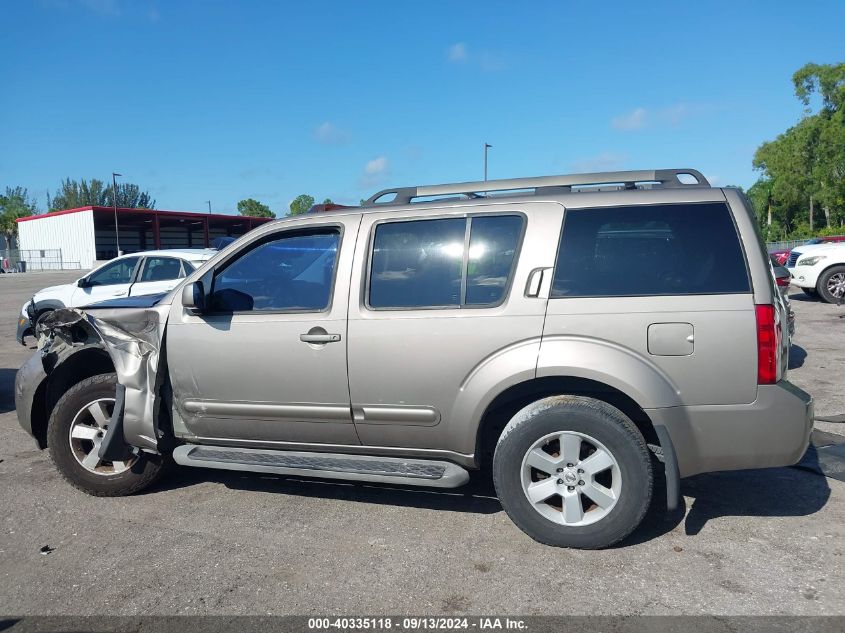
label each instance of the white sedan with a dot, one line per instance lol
(146, 273)
(820, 269)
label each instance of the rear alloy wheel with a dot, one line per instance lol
(573, 471)
(831, 285)
(571, 478)
(76, 429)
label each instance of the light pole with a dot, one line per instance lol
(486, 147)
(114, 202)
(208, 202)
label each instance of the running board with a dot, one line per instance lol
(392, 470)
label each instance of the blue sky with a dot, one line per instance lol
(221, 101)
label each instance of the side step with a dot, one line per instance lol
(393, 470)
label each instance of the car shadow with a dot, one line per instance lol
(803, 297)
(771, 492)
(797, 355)
(477, 496)
(7, 389)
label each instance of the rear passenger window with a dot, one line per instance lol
(671, 249)
(426, 263)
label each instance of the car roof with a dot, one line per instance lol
(191, 254)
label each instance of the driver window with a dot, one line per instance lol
(119, 272)
(292, 273)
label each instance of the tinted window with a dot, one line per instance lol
(672, 249)
(492, 252)
(119, 272)
(417, 263)
(421, 263)
(161, 269)
(294, 272)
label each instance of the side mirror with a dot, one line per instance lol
(193, 297)
(82, 283)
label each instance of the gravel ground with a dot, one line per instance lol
(206, 542)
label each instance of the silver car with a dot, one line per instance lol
(571, 337)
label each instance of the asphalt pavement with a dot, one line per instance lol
(207, 542)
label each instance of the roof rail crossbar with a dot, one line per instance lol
(542, 185)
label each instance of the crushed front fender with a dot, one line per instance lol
(133, 338)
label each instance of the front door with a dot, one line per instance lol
(266, 361)
(110, 281)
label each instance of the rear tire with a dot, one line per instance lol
(831, 284)
(602, 482)
(74, 433)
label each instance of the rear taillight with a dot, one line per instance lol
(782, 281)
(767, 346)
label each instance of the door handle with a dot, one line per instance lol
(535, 282)
(319, 338)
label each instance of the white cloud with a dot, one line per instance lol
(634, 120)
(668, 116)
(606, 161)
(329, 134)
(376, 166)
(375, 171)
(458, 53)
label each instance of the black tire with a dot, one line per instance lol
(597, 420)
(145, 470)
(810, 292)
(825, 279)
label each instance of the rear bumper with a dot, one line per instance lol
(774, 430)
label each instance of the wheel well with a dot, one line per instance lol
(821, 274)
(509, 402)
(81, 365)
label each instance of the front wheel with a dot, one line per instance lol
(572, 471)
(831, 285)
(75, 431)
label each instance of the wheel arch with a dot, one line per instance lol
(823, 272)
(87, 362)
(513, 399)
(507, 403)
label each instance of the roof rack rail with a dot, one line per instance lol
(543, 185)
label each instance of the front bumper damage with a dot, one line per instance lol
(132, 338)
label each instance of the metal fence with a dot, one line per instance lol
(15, 260)
(785, 246)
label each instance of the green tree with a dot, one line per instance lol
(130, 196)
(73, 194)
(301, 204)
(14, 204)
(255, 209)
(803, 169)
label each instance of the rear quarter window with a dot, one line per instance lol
(670, 249)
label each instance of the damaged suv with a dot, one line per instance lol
(574, 337)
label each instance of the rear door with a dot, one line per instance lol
(436, 295)
(667, 281)
(158, 274)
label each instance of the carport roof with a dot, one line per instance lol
(149, 213)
